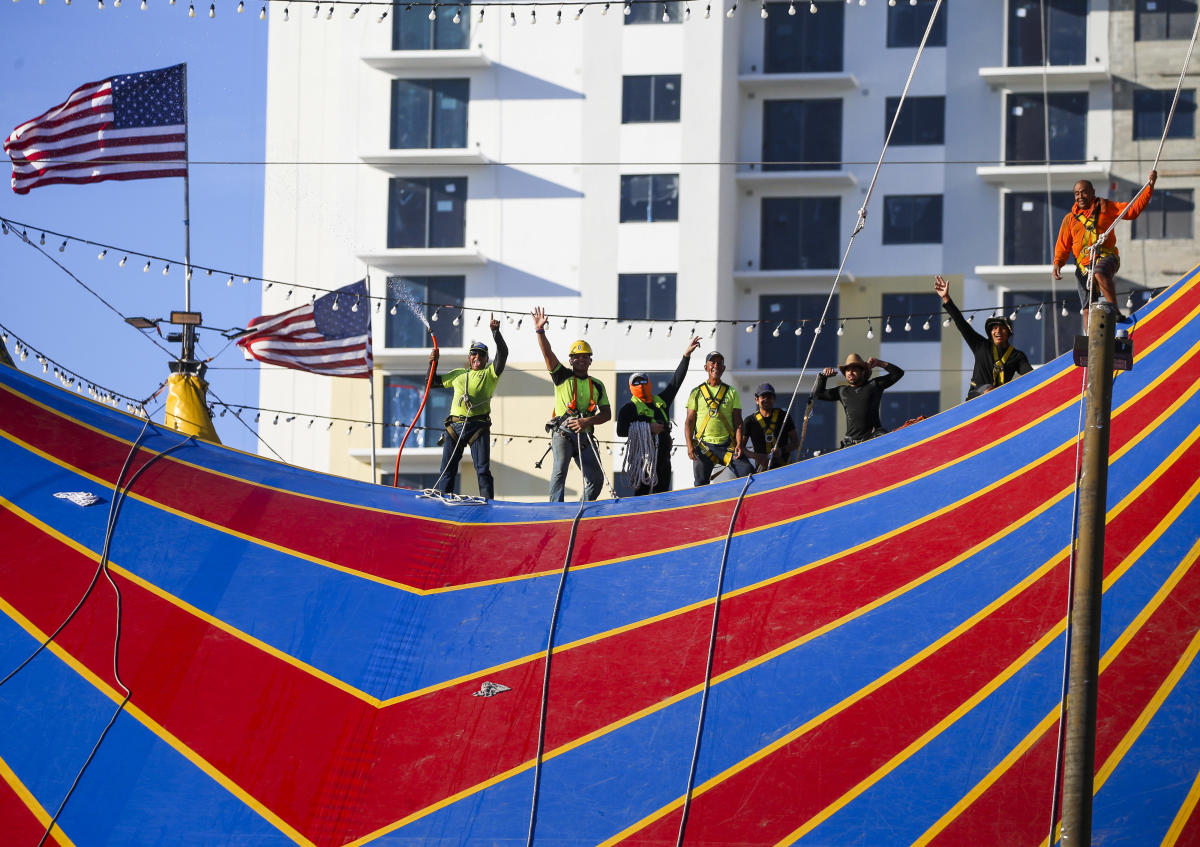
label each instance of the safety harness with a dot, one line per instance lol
(1089, 238)
(713, 402)
(998, 377)
(769, 424)
(573, 406)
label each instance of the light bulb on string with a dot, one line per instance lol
(166, 269)
(870, 330)
(353, 12)
(481, 11)
(62, 248)
(887, 325)
(579, 14)
(817, 329)
(732, 11)
(241, 6)
(707, 11)
(1037, 316)
(604, 11)
(946, 322)
(775, 333)
(650, 331)
(558, 16)
(42, 240)
(512, 17)
(564, 323)
(812, 7)
(434, 317)
(533, 16)
(102, 254)
(229, 282)
(316, 10)
(457, 320)
(1129, 300)
(670, 329)
(925, 326)
(762, 12)
(354, 307)
(712, 331)
(1013, 315)
(433, 12)
(100, 4)
(457, 15)
(841, 329)
(146, 269)
(335, 302)
(212, 10)
(191, 10)
(628, 8)
(142, 6)
(121, 263)
(329, 14)
(908, 324)
(792, 7)
(1065, 313)
(628, 329)
(750, 327)
(478, 318)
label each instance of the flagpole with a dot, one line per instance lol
(189, 331)
(374, 468)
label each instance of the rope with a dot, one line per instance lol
(641, 456)
(708, 667)
(1046, 153)
(862, 212)
(558, 595)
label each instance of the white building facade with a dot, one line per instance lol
(642, 178)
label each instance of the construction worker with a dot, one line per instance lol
(769, 435)
(645, 420)
(580, 405)
(996, 360)
(470, 421)
(1088, 218)
(713, 427)
(861, 398)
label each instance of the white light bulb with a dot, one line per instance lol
(750, 328)
(763, 12)
(101, 254)
(212, 10)
(799, 329)
(433, 12)
(925, 326)
(842, 328)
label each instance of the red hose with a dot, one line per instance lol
(417, 416)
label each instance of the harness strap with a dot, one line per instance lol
(1089, 228)
(768, 425)
(574, 404)
(998, 368)
(713, 404)
(717, 460)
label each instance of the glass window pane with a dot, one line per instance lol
(635, 99)
(1028, 235)
(906, 24)
(802, 43)
(1168, 215)
(1065, 26)
(401, 398)
(788, 350)
(799, 233)
(448, 35)
(916, 310)
(1150, 110)
(802, 134)
(631, 297)
(660, 296)
(665, 200)
(410, 28)
(644, 12)
(450, 97)
(666, 97)
(1157, 20)
(410, 114)
(922, 120)
(1026, 128)
(912, 219)
(407, 209)
(635, 197)
(404, 329)
(447, 212)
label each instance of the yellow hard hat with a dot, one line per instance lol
(581, 348)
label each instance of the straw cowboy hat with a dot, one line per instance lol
(855, 361)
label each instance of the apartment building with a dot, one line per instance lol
(672, 169)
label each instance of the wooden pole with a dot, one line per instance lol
(1080, 758)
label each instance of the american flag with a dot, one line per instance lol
(132, 126)
(331, 335)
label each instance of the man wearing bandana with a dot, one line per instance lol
(996, 360)
(1088, 218)
(650, 410)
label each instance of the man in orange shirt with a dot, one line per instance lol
(1088, 218)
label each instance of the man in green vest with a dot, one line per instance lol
(470, 421)
(713, 427)
(646, 421)
(580, 405)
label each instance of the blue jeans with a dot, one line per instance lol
(481, 455)
(570, 447)
(702, 465)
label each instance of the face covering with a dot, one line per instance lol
(642, 392)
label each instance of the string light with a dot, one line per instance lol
(62, 248)
(1065, 313)
(908, 324)
(732, 10)
(750, 328)
(887, 325)
(792, 7)
(457, 15)
(870, 330)
(925, 326)
(799, 328)
(121, 263)
(166, 269)
(146, 269)
(102, 254)
(212, 10)
(762, 13)
(1038, 315)
(775, 332)
(433, 12)
(191, 10)
(533, 16)
(841, 329)
(812, 7)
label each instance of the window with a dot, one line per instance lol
(642, 297)
(787, 351)
(916, 310)
(1028, 235)
(647, 12)
(659, 380)
(1162, 20)
(402, 329)
(801, 135)
(906, 24)
(427, 212)
(922, 120)
(649, 197)
(1066, 32)
(802, 43)
(799, 233)
(429, 113)
(412, 29)
(1035, 336)
(646, 99)
(1026, 128)
(900, 406)
(1168, 215)
(402, 395)
(1150, 109)
(912, 219)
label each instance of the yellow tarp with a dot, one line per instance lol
(187, 411)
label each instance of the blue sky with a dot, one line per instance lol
(46, 51)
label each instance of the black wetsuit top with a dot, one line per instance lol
(861, 402)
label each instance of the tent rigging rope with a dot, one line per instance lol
(862, 212)
(641, 456)
(708, 667)
(558, 595)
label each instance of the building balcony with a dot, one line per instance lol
(805, 182)
(824, 83)
(1024, 276)
(1062, 177)
(1028, 78)
(435, 61)
(403, 161)
(815, 276)
(416, 260)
